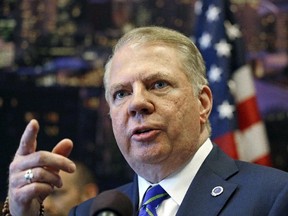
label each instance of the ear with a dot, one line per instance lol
(90, 190)
(206, 101)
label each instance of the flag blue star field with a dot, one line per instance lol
(235, 119)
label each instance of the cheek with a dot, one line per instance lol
(119, 126)
(185, 118)
(118, 123)
(185, 109)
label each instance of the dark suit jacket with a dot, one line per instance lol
(249, 190)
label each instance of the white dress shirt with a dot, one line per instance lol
(177, 184)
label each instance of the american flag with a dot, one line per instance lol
(235, 119)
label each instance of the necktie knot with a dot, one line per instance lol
(152, 199)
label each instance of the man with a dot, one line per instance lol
(159, 103)
(77, 187)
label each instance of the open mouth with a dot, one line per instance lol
(142, 131)
(145, 134)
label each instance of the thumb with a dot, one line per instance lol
(28, 140)
(64, 147)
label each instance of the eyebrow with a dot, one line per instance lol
(117, 86)
(143, 77)
(156, 76)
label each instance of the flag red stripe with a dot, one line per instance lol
(227, 143)
(264, 160)
(247, 113)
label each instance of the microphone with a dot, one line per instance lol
(111, 203)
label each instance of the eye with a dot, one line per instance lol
(120, 94)
(160, 84)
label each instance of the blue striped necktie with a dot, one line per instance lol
(152, 199)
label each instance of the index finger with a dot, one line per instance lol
(28, 141)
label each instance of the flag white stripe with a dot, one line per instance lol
(252, 143)
(244, 83)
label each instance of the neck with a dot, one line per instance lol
(156, 172)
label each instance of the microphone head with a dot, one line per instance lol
(111, 201)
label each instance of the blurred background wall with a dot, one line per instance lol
(52, 54)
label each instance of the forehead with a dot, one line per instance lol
(145, 52)
(144, 60)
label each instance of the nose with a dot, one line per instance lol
(140, 102)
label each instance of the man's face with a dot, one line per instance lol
(62, 200)
(155, 116)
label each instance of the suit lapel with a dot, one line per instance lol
(215, 171)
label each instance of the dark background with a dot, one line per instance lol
(52, 54)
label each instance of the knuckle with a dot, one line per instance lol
(40, 174)
(20, 197)
(13, 183)
(40, 158)
(12, 166)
